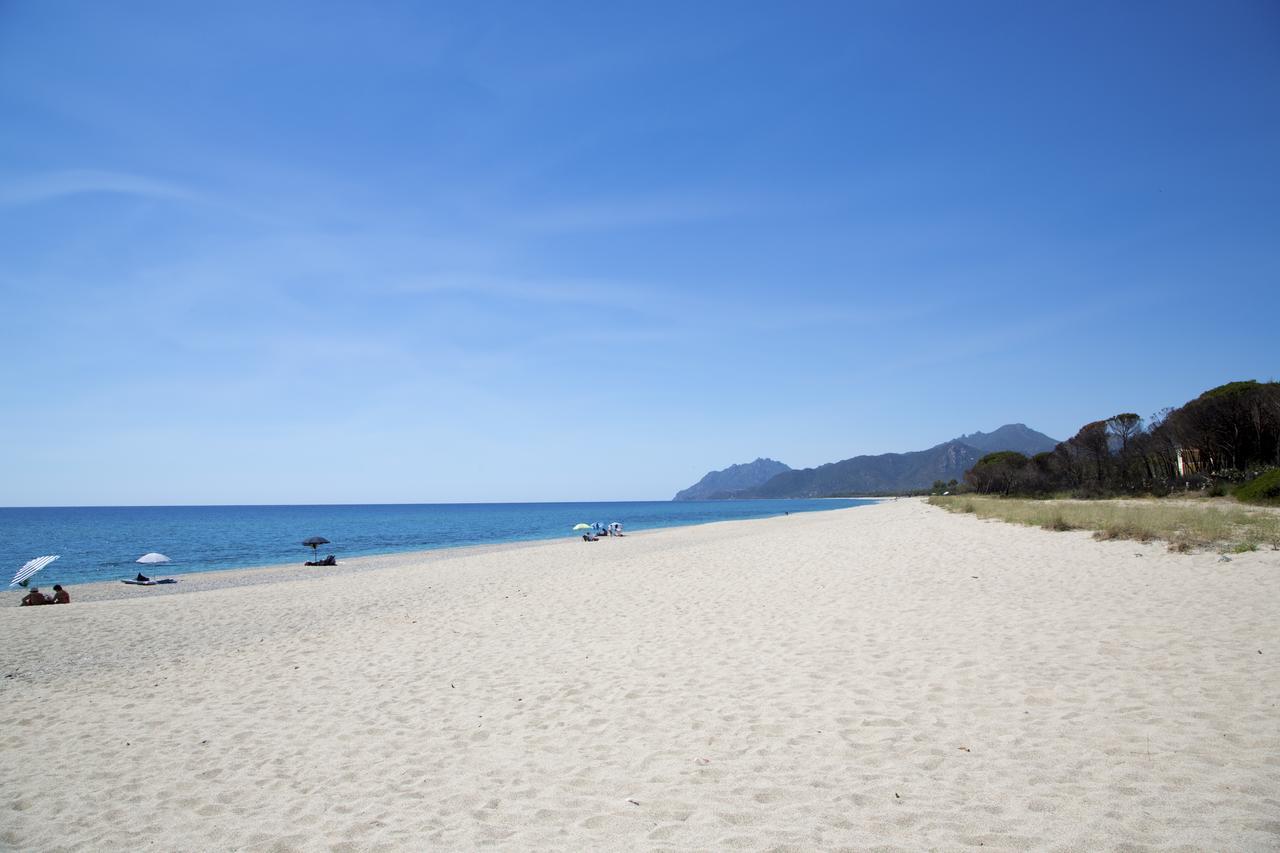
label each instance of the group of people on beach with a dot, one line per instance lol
(36, 597)
(597, 530)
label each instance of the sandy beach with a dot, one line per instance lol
(890, 677)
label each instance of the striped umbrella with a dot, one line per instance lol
(24, 574)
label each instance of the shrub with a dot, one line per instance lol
(1264, 489)
(1125, 528)
(1089, 492)
(1194, 481)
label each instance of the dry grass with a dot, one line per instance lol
(1185, 525)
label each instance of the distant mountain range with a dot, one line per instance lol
(865, 475)
(735, 478)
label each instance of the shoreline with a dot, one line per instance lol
(48, 578)
(274, 573)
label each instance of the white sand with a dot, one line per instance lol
(825, 681)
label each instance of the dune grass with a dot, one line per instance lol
(1184, 525)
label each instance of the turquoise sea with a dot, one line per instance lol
(102, 543)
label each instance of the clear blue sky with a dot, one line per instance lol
(258, 252)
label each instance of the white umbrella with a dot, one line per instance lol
(31, 568)
(153, 557)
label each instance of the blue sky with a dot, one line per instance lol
(257, 253)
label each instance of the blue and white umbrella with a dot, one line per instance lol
(24, 574)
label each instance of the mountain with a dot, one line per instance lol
(1019, 437)
(869, 475)
(735, 478)
(866, 475)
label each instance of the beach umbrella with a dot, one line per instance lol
(315, 542)
(582, 527)
(153, 557)
(30, 568)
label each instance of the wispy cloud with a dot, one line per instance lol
(542, 290)
(49, 186)
(639, 211)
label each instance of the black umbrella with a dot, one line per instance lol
(315, 542)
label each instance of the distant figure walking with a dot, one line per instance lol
(35, 598)
(60, 595)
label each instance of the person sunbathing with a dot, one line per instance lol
(34, 598)
(60, 595)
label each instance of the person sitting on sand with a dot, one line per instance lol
(34, 598)
(60, 595)
(141, 578)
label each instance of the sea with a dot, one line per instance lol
(103, 543)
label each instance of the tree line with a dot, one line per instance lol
(1227, 434)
